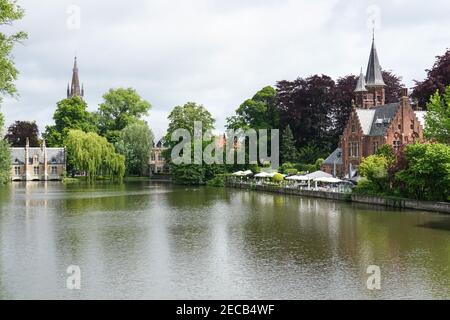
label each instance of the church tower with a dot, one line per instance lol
(74, 89)
(370, 90)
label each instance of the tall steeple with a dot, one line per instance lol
(374, 77)
(375, 84)
(75, 90)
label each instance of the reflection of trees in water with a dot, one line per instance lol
(315, 232)
(186, 197)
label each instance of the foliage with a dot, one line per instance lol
(438, 117)
(135, 143)
(21, 130)
(188, 174)
(319, 163)
(301, 167)
(375, 169)
(9, 12)
(387, 151)
(218, 180)
(277, 178)
(288, 150)
(5, 162)
(427, 174)
(121, 108)
(256, 113)
(291, 172)
(438, 78)
(70, 114)
(183, 117)
(286, 166)
(309, 153)
(94, 155)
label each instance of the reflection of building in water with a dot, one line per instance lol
(157, 162)
(37, 164)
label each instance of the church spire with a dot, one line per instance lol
(374, 77)
(75, 89)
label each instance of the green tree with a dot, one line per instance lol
(258, 112)
(288, 151)
(375, 170)
(9, 12)
(438, 117)
(387, 151)
(70, 114)
(5, 162)
(183, 117)
(121, 108)
(94, 155)
(135, 143)
(427, 173)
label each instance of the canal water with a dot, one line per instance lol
(157, 241)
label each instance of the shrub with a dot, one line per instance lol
(277, 178)
(291, 172)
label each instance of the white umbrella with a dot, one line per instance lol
(238, 173)
(247, 173)
(263, 175)
(298, 178)
(328, 180)
(318, 174)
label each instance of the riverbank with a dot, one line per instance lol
(442, 207)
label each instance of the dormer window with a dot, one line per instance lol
(353, 128)
(36, 159)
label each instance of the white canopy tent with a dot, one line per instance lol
(328, 180)
(264, 175)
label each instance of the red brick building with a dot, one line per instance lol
(373, 123)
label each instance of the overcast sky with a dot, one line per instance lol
(214, 52)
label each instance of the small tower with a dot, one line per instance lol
(361, 92)
(374, 78)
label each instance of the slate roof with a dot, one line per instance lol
(334, 157)
(374, 77)
(382, 118)
(54, 155)
(365, 119)
(361, 84)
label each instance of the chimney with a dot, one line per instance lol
(404, 92)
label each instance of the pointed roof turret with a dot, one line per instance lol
(361, 84)
(75, 89)
(374, 77)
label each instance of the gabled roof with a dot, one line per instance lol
(365, 119)
(382, 118)
(374, 76)
(374, 122)
(334, 157)
(54, 155)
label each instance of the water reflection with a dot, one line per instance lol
(157, 241)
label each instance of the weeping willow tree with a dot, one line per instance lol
(95, 156)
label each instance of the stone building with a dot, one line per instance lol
(157, 162)
(373, 123)
(37, 164)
